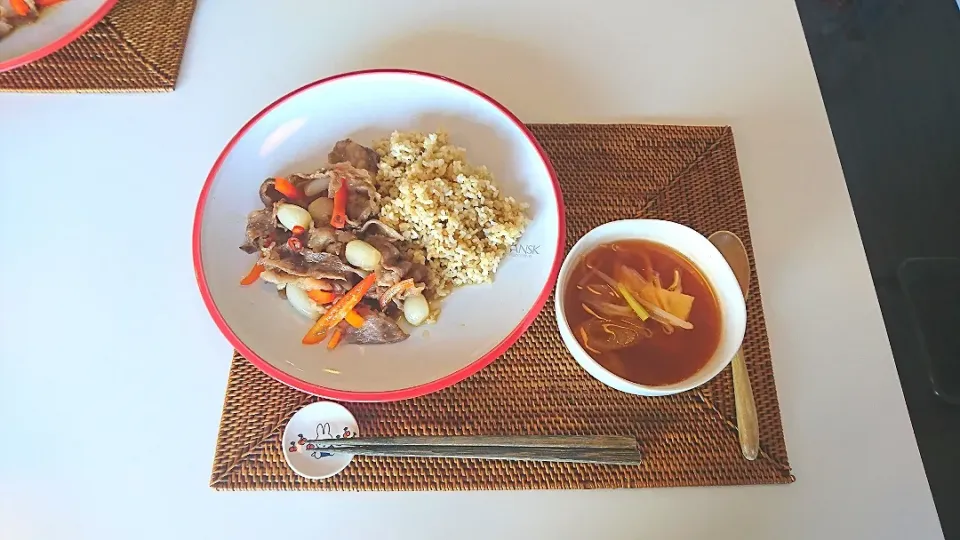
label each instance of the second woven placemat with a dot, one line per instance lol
(137, 47)
(607, 172)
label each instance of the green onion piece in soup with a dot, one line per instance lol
(632, 302)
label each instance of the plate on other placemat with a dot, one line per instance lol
(57, 26)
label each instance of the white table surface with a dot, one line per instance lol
(112, 373)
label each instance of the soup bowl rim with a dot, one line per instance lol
(699, 251)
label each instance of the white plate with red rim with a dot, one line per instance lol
(477, 323)
(57, 26)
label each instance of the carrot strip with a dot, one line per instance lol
(46, 3)
(254, 274)
(341, 307)
(286, 188)
(335, 339)
(354, 319)
(20, 7)
(311, 339)
(339, 218)
(322, 297)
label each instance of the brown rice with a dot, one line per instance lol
(453, 215)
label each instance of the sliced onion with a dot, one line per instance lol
(632, 279)
(663, 317)
(586, 278)
(604, 303)
(393, 291)
(610, 281)
(676, 285)
(384, 228)
(609, 310)
(317, 186)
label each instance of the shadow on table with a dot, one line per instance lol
(504, 67)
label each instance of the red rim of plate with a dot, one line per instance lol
(389, 395)
(67, 38)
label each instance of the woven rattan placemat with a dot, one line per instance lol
(607, 172)
(137, 47)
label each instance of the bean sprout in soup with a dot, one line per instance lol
(643, 311)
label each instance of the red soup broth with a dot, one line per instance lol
(657, 356)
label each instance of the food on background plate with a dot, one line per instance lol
(15, 13)
(380, 235)
(643, 312)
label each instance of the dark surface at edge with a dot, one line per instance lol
(889, 73)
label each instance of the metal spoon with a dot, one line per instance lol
(733, 250)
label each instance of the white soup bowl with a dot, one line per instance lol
(699, 251)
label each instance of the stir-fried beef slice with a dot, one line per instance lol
(333, 261)
(361, 198)
(387, 248)
(337, 247)
(419, 273)
(345, 236)
(375, 226)
(389, 277)
(392, 267)
(329, 240)
(306, 283)
(302, 179)
(309, 190)
(375, 292)
(355, 154)
(307, 263)
(262, 230)
(269, 194)
(399, 268)
(402, 295)
(377, 329)
(318, 238)
(359, 208)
